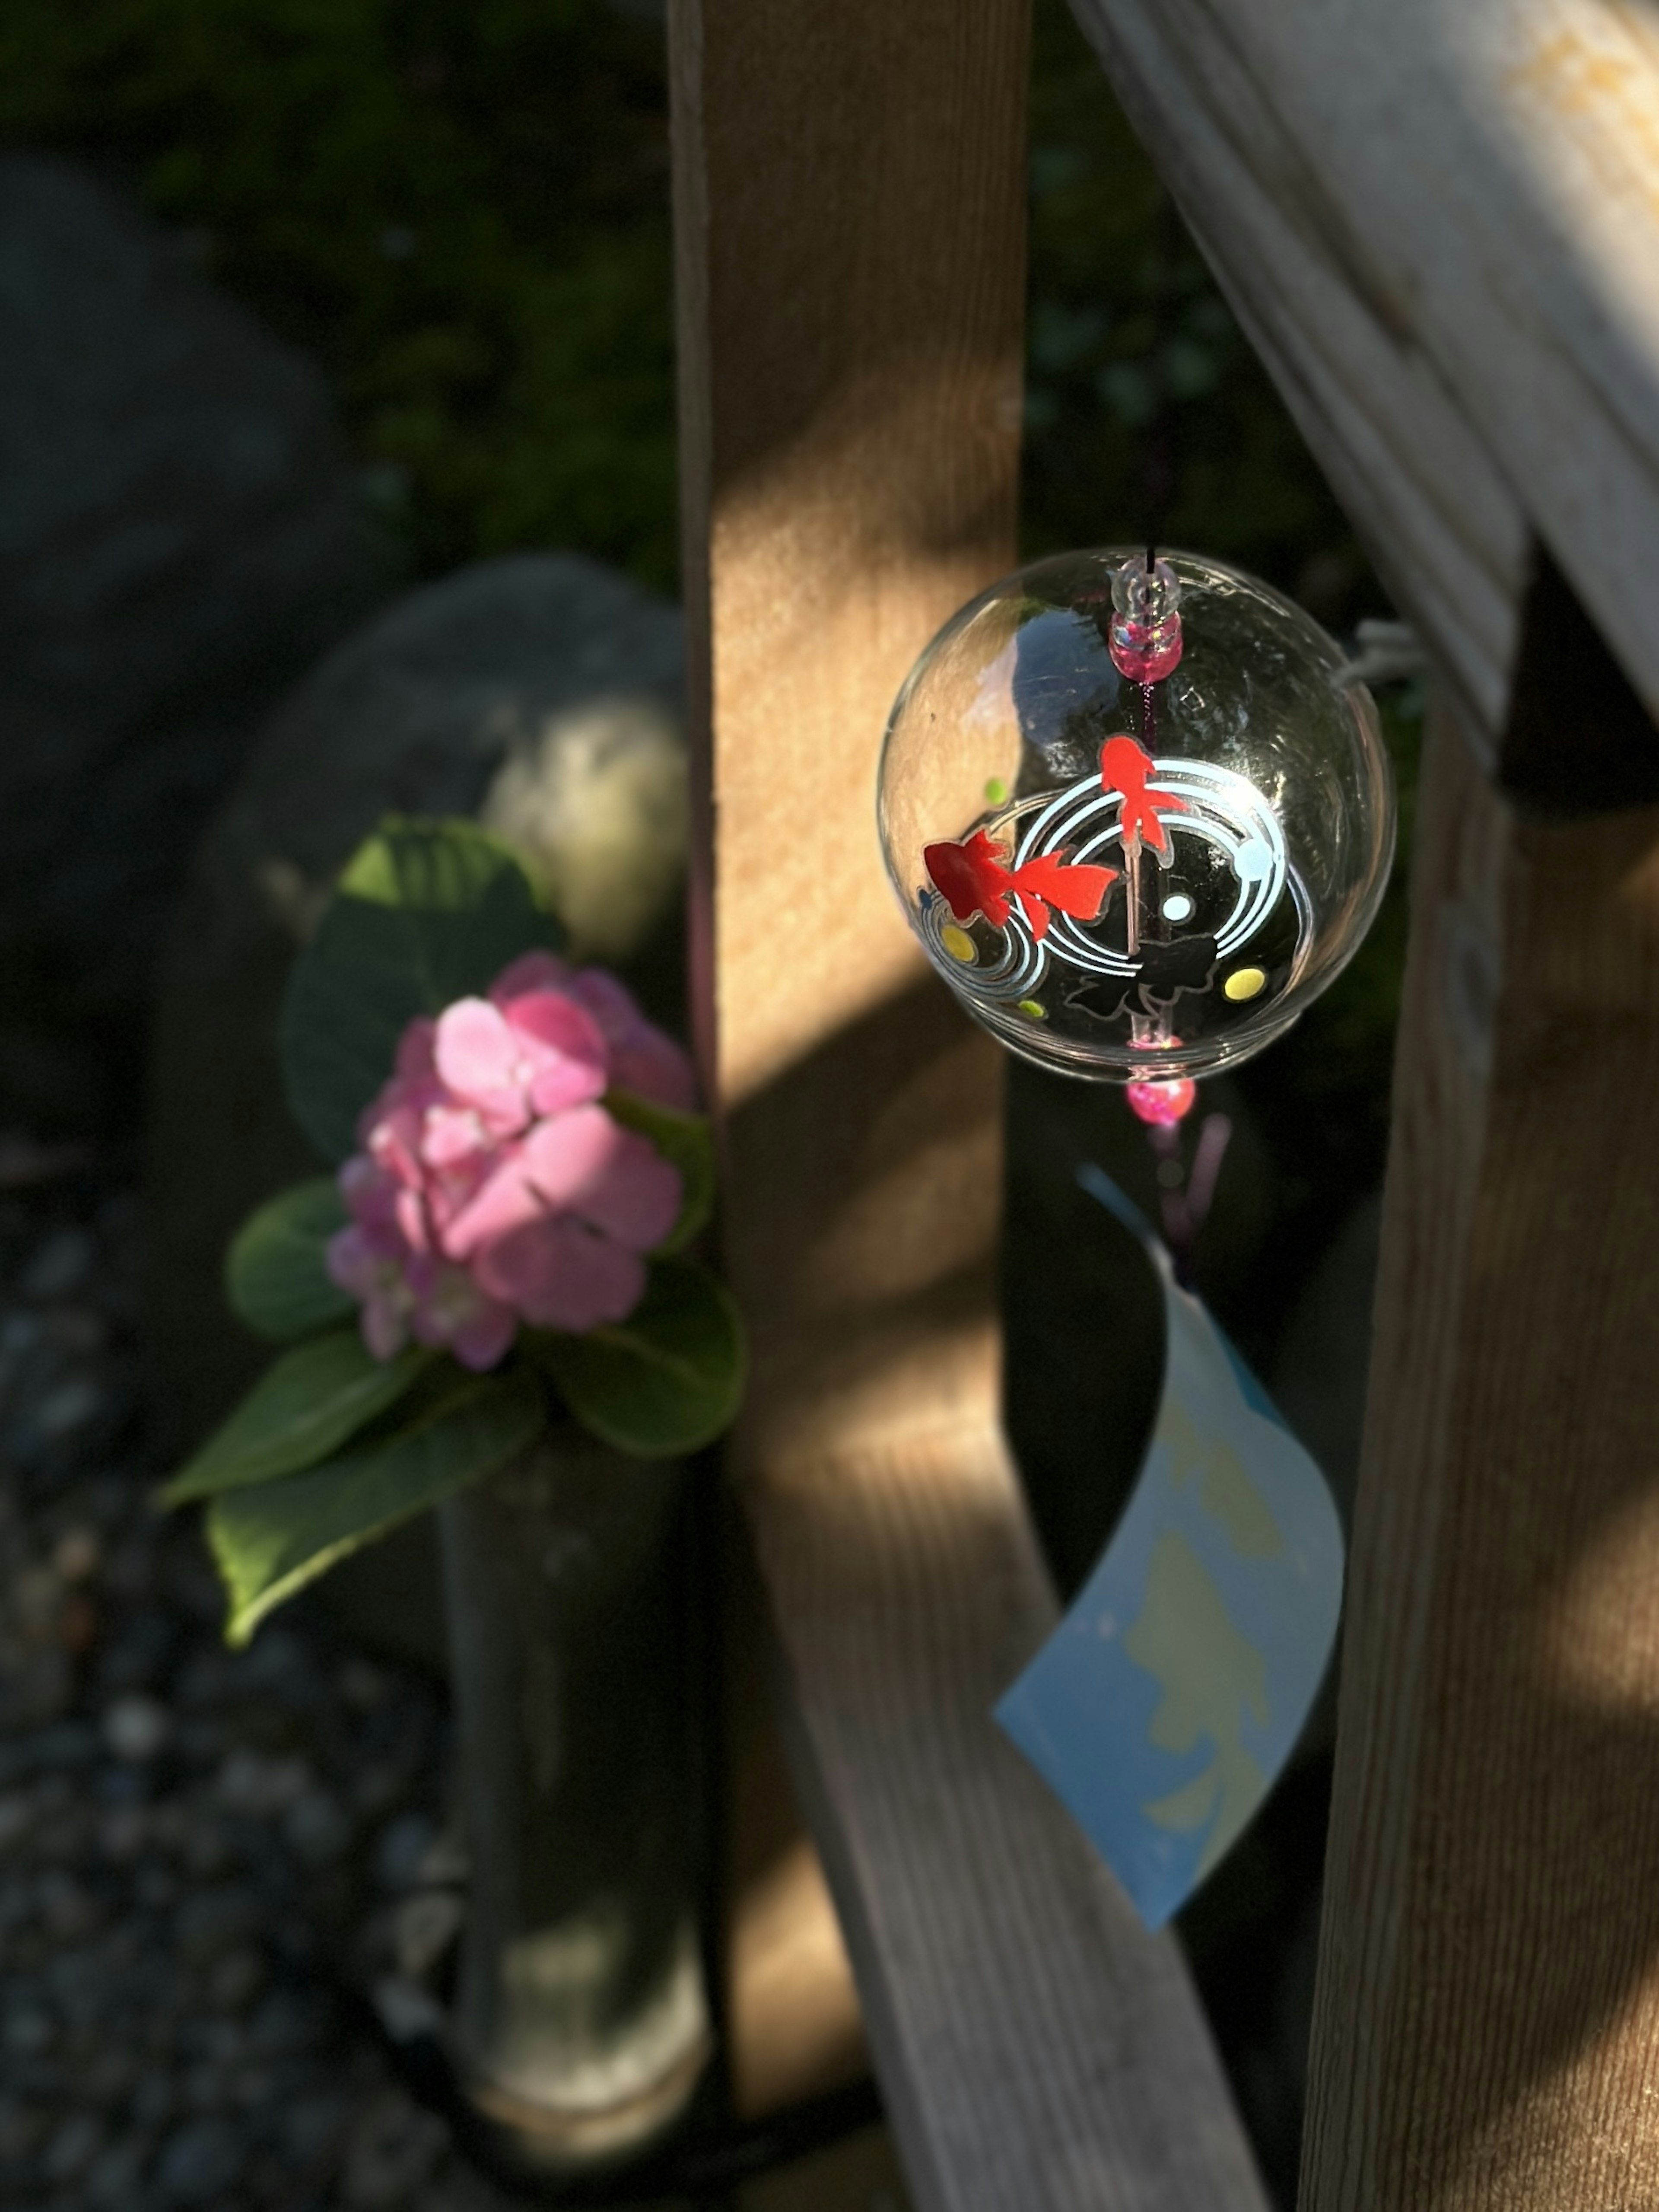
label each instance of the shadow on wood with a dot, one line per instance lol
(1488, 2024)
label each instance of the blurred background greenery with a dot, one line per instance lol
(459, 208)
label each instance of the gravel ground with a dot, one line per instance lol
(202, 1853)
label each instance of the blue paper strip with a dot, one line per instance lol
(1164, 1703)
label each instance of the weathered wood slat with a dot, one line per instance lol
(1446, 533)
(1487, 2023)
(1454, 213)
(850, 214)
(1440, 225)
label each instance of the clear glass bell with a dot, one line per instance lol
(1139, 816)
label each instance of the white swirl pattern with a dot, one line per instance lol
(1085, 823)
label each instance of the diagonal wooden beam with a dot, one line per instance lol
(850, 218)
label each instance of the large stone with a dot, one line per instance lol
(182, 534)
(539, 693)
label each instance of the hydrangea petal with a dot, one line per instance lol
(563, 1047)
(559, 1273)
(531, 971)
(415, 1052)
(643, 1058)
(653, 1066)
(586, 1162)
(486, 1338)
(492, 1186)
(505, 1203)
(479, 1058)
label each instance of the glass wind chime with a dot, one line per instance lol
(1139, 813)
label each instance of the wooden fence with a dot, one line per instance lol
(1439, 224)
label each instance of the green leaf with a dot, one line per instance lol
(276, 1270)
(313, 1398)
(426, 913)
(665, 1380)
(686, 1141)
(272, 1540)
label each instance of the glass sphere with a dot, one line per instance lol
(1137, 817)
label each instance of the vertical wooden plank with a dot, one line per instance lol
(1486, 2029)
(850, 218)
(849, 185)
(793, 2029)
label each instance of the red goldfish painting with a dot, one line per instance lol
(1124, 766)
(975, 878)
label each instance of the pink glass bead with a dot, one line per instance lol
(1146, 633)
(1163, 1104)
(1144, 655)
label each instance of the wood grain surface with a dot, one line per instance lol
(1487, 2030)
(1440, 226)
(850, 183)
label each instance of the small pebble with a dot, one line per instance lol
(135, 1727)
(59, 1263)
(234, 1980)
(154, 1885)
(155, 2098)
(364, 1685)
(403, 1845)
(254, 2088)
(405, 2011)
(28, 2031)
(115, 2177)
(124, 1832)
(251, 1781)
(377, 1788)
(424, 1926)
(75, 1330)
(36, 1595)
(110, 2074)
(286, 2021)
(23, 2128)
(72, 2147)
(391, 2148)
(74, 1405)
(445, 1863)
(69, 1910)
(317, 1827)
(77, 1554)
(214, 1920)
(16, 1817)
(209, 1848)
(165, 2041)
(20, 1333)
(201, 2161)
(312, 2125)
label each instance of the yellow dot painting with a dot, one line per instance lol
(958, 943)
(1034, 1008)
(995, 791)
(1244, 983)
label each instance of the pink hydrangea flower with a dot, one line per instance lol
(493, 1187)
